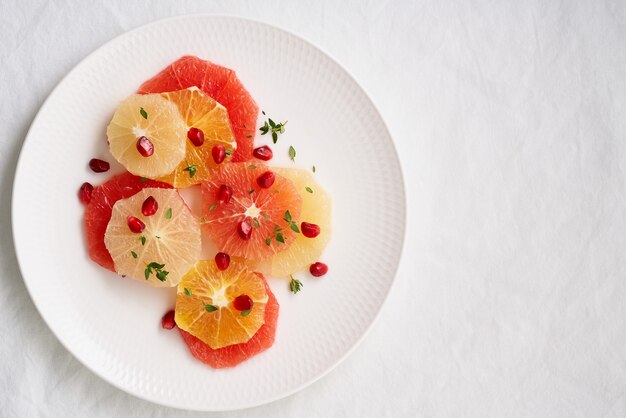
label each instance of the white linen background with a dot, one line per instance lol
(510, 120)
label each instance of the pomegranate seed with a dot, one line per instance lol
(149, 207)
(84, 193)
(196, 136)
(266, 180)
(219, 153)
(244, 229)
(222, 260)
(99, 166)
(224, 194)
(318, 269)
(263, 153)
(243, 303)
(135, 224)
(144, 146)
(168, 321)
(309, 230)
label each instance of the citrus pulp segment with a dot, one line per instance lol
(166, 247)
(204, 303)
(98, 212)
(199, 111)
(150, 118)
(316, 209)
(263, 209)
(222, 85)
(232, 355)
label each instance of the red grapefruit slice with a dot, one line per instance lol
(232, 355)
(98, 212)
(222, 85)
(264, 210)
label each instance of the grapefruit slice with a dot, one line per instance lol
(155, 118)
(232, 355)
(222, 85)
(164, 249)
(262, 209)
(201, 112)
(206, 307)
(316, 209)
(98, 212)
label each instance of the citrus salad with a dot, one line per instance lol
(192, 126)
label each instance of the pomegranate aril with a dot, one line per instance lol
(222, 261)
(196, 136)
(224, 194)
(263, 153)
(99, 166)
(84, 193)
(149, 206)
(244, 229)
(309, 230)
(145, 146)
(168, 321)
(266, 180)
(135, 224)
(243, 303)
(219, 153)
(318, 269)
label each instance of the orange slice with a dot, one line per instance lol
(205, 308)
(165, 250)
(316, 209)
(199, 111)
(155, 118)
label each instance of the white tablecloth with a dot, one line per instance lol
(510, 120)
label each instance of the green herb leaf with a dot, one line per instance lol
(295, 285)
(294, 227)
(143, 179)
(255, 223)
(265, 216)
(134, 254)
(156, 265)
(314, 169)
(212, 207)
(143, 240)
(252, 166)
(210, 308)
(248, 136)
(287, 216)
(272, 123)
(228, 151)
(187, 292)
(292, 153)
(162, 274)
(280, 238)
(168, 214)
(246, 312)
(274, 137)
(268, 241)
(308, 189)
(191, 168)
(264, 129)
(147, 272)
(202, 219)
(251, 191)
(263, 111)
(143, 112)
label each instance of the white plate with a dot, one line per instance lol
(113, 325)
